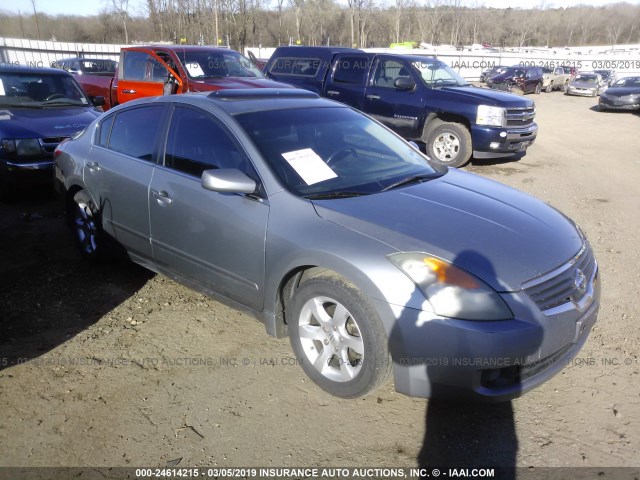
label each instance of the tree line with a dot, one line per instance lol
(358, 23)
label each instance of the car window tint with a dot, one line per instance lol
(196, 143)
(134, 131)
(351, 70)
(135, 65)
(105, 129)
(305, 67)
(387, 72)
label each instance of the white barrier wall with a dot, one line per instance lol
(36, 53)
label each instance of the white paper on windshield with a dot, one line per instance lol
(1, 87)
(195, 70)
(309, 166)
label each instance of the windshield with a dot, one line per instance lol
(96, 66)
(514, 71)
(435, 73)
(586, 78)
(333, 151)
(39, 90)
(202, 64)
(628, 82)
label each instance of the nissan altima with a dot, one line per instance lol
(334, 231)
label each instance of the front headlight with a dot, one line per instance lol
(451, 291)
(21, 147)
(27, 147)
(488, 115)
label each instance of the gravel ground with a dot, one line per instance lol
(110, 365)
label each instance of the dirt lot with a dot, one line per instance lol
(112, 366)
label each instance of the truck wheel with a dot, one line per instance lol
(338, 337)
(449, 144)
(548, 89)
(538, 88)
(565, 87)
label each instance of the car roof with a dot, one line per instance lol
(239, 101)
(185, 48)
(20, 69)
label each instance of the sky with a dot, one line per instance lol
(138, 7)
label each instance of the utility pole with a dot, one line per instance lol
(35, 14)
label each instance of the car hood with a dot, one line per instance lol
(499, 234)
(47, 122)
(583, 85)
(622, 91)
(488, 97)
(502, 77)
(234, 83)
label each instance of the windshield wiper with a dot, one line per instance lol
(329, 195)
(412, 179)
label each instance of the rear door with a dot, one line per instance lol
(119, 170)
(347, 80)
(216, 240)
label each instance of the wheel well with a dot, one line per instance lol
(288, 286)
(68, 201)
(435, 119)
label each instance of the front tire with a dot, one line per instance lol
(338, 337)
(538, 89)
(549, 88)
(449, 144)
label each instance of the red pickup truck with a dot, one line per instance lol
(166, 69)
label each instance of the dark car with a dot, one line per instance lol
(40, 107)
(623, 95)
(333, 230)
(490, 72)
(608, 76)
(89, 66)
(525, 79)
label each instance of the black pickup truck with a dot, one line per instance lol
(419, 97)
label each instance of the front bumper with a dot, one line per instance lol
(485, 361)
(38, 170)
(582, 92)
(496, 142)
(626, 105)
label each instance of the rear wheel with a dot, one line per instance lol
(86, 225)
(538, 88)
(449, 144)
(338, 337)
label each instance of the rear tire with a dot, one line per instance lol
(538, 89)
(449, 144)
(338, 337)
(85, 223)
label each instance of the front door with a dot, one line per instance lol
(216, 240)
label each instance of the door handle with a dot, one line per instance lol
(162, 197)
(93, 166)
(126, 90)
(373, 97)
(333, 93)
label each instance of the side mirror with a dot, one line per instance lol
(73, 70)
(98, 101)
(227, 180)
(404, 83)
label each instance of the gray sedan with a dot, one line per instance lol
(331, 229)
(586, 85)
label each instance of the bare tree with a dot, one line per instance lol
(121, 7)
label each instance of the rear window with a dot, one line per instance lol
(305, 67)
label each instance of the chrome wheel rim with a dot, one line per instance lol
(446, 147)
(331, 339)
(85, 228)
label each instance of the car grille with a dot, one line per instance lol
(49, 144)
(567, 284)
(520, 117)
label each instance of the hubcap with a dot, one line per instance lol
(85, 228)
(446, 147)
(331, 339)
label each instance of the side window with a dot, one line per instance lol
(196, 142)
(387, 71)
(104, 130)
(135, 65)
(351, 70)
(306, 67)
(134, 131)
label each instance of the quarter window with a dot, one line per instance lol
(134, 131)
(105, 129)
